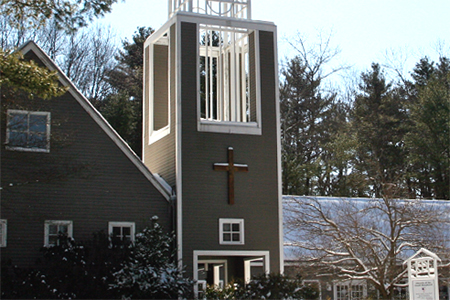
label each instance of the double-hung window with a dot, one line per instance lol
(3, 230)
(121, 232)
(55, 230)
(28, 131)
(231, 231)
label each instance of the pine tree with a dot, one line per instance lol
(428, 140)
(127, 84)
(378, 121)
(306, 117)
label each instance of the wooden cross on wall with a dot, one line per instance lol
(231, 168)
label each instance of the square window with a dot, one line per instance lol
(3, 225)
(54, 230)
(231, 231)
(28, 131)
(121, 232)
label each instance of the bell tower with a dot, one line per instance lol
(211, 131)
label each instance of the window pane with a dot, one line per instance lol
(227, 237)
(18, 122)
(37, 141)
(64, 229)
(236, 227)
(236, 237)
(126, 231)
(52, 229)
(38, 123)
(226, 227)
(17, 139)
(116, 231)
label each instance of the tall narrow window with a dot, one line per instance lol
(3, 231)
(55, 230)
(227, 76)
(156, 77)
(28, 131)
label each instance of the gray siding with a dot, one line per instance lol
(161, 85)
(86, 178)
(159, 157)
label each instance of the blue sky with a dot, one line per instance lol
(363, 29)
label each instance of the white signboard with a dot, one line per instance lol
(423, 275)
(424, 290)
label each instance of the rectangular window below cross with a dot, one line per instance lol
(55, 230)
(231, 231)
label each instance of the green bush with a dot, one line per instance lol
(151, 271)
(68, 271)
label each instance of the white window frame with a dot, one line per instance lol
(47, 224)
(132, 226)
(229, 126)
(4, 231)
(231, 222)
(28, 113)
(348, 285)
(155, 135)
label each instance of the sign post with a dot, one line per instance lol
(423, 275)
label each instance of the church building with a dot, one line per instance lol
(211, 131)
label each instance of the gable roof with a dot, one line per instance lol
(334, 206)
(423, 252)
(31, 46)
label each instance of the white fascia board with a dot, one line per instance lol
(178, 139)
(226, 22)
(155, 36)
(95, 115)
(279, 167)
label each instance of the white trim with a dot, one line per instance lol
(250, 128)
(227, 22)
(241, 232)
(96, 116)
(279, 167)
(28, 113)
(47, 223)
(132, 226)
(216, 261)
(156, 135)
(178, 139)
(4, 232)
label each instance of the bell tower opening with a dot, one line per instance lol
(226, 74)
